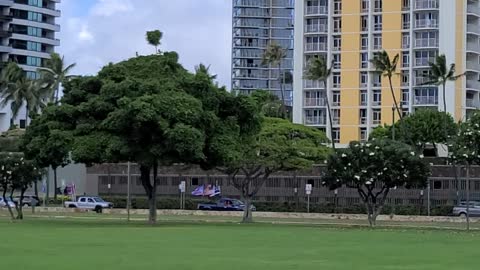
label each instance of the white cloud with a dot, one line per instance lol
(114, 30)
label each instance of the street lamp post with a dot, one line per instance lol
(393, 122)
(128, 190)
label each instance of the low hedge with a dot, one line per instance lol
(191, 204)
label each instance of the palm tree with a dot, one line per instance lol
(440, 74)
(201, 68)
(273, 56)
(54, 74)
(22, 91)
(388, 68)
(317, 70)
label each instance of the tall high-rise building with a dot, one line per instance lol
(27, 37)
(349, 33)
(257, 23)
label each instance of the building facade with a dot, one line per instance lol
(27, 37)
(350, 32)
(257, 23)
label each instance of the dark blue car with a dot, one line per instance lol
(224, 204)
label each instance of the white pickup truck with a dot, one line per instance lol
(89, 203)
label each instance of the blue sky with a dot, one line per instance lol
(96, 32)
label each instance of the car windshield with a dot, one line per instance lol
(237, 202)
(98, 199)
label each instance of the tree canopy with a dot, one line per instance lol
(373, 169)
(151, 111)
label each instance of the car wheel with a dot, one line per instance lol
(463, 215)
(98, 209)
(26, 205)
(71, 206)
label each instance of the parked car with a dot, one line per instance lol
(28, 200)
(89, 203)
(3, 204)
(461, 209)
(224, 204)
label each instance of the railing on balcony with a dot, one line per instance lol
(315, 120)
(473, 28)
(426, 23)
(473, 65)
(426, 42)
(363, 120)
(315, 47)
(473, 46)
(376, 121)
(314, 102)
(336, 121)
(473, 9)
(473, 84)
(318, 10)
(426, 100)
(313, 84)
(421, 81)
(316, 28)
(424, 62)
(471, 103)
(426, 4)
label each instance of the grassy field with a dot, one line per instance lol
(108, 244)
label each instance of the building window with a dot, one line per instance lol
(405, 41)
(34, 46)
(377, 98)
(377, 6)
(35, 16)
(34, 61)
(377, 116)
(364, 6)
(37, 3)
(22, 123)
(336, 135)
(337, 25)
(363, 134)
(405, 76)
(377, 23)
(405, 4)
(32, 75)
(377, 41)
(34, 31)
(405, 97)
(363, 60)
(406, 21)
(364, 23)
(336, 116)
(364, 42)
(377, 80)
(337, 61)
(337, 6)
(337, 43)
(363, 116)
(194, 181)
(363, 98)
(363, 79)
(405, 59)
(336, 80)
(336, 98)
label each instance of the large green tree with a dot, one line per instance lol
(388, 68)
(280, 146)
(373, 169)
(48, 144)
(54, 74)
(318, 70)
(151, 111)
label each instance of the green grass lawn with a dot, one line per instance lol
(106, 244)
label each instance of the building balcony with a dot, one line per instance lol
(420, 81)
(473, 47)
(316, 10)
(426, 43)
(250, 3)
(424, 62)
(473, 10)
(376, 122)
(308, 84)
(426, 4)
(473, 65)
(471, 103)
(473, 28)
(315, 47)
(336, 121)
(316, 28)
(314, 102)
(473, 84)
(315, 120)
(363, 120)
(425, 100)
(426, 23)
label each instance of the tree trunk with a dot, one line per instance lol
(35, 187)
(282, 93)
(26, 115)
(55, 184)
(153, 211)
(329, 112)
(7, 204)
(47, 188)
(394, 98)
(247, 212)
(20, 204)
(149, 190)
